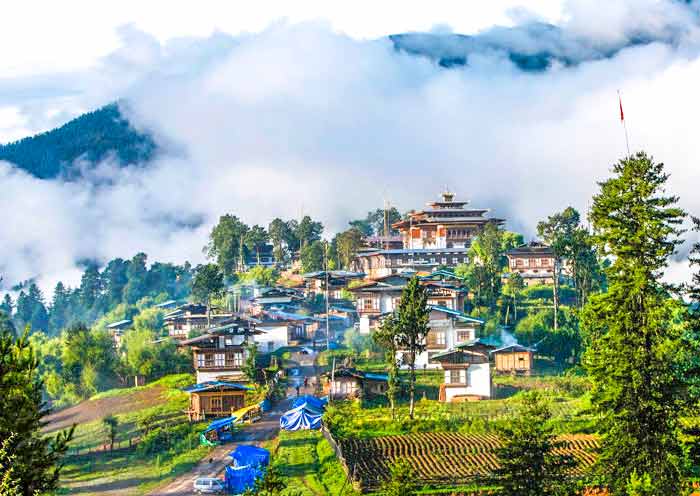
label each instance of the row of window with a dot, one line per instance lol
(218, 360)
(536, 262)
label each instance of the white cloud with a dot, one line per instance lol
(301, 118)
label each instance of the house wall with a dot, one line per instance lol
(274, 337)
(478, 382)
(215, 375)
(517, 361)
(451, 334)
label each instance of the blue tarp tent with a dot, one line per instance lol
(246, 454)
(312, 401)
(238, 479)
(223, 428)
(302, 417)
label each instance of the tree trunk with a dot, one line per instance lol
(556, 294)
(208, 312)
(257, 254)
(412, 385)
(515, 307)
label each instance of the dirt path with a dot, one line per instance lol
(217, 460)
(89, 411)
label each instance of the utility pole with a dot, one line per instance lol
(332, 388)
(328, 329)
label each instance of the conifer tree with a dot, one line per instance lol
(633, 345)
(412, 319)
(530, 461)
(35, 458)
(386, 338)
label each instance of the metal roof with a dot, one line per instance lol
(419, 251)
(209, 385)
(118, 324)
(513, 347)
(456, 313)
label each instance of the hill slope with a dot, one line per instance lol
(90, 137)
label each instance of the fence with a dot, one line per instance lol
(123, 444)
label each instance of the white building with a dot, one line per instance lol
(467, 372)
(448, 329)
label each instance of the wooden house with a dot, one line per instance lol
(534, 262)
(513, 359)
(215, 399)
(467, 372)
(191, 318)
(382, 296)
(117, 330)
(220, 353)
(351, 383)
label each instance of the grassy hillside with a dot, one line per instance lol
(135, 470)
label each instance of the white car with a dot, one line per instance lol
(209, 485)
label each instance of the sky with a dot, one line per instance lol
(275, 110)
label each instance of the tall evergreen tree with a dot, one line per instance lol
(633, 343)
(411, 325)
(7, 305)
(59, 314)
(530, 463)
(36, 458)
(90, 287)
(137, 277)
(386, 338)
(308, 231)
(114, 279)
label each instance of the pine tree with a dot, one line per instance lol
(412, 317)
(528, 460)
(60, 308)
(7, 305)
(36, 458)
(632, 348)
(386, 338)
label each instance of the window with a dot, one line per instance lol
(463, 336)
(443, 260)
(201, 360)
(219, 360)
(229, 341)
(455, 376)
(455, 260)
(215, 403)
(436, 338)
(237, 360)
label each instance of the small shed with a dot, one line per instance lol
(215, 399)
(350, 383)
(514, 359)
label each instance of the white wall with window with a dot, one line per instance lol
(475, 380)
(274, 337)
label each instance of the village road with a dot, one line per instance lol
(263, 430)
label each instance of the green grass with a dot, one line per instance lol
(350, 419)
(308, 461)
(127, 471)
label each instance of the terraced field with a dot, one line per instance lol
(442, 457)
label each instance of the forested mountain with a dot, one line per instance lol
(91, 137)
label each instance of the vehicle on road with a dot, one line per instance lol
(209, 485)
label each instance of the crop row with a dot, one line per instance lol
(443, 457)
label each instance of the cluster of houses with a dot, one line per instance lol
(429, 241)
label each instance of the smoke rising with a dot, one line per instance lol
(298, 119)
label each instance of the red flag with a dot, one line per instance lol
(622, 114)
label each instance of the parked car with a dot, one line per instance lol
(209, 485)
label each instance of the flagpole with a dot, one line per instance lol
(624, 124)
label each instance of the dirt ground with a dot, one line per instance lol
(92, 410)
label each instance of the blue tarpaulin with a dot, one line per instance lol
(238, 479)
(302, 417)
(312, 401)
(246, 454)
(265, 405)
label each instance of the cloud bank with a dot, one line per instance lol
(300, 119)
